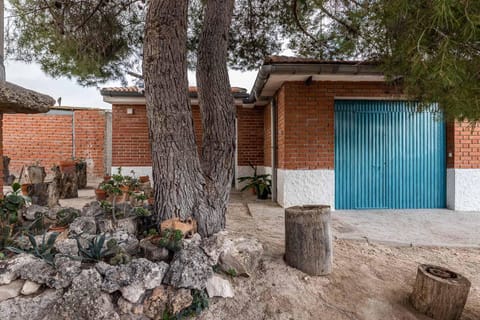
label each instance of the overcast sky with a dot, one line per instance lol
(32, 77)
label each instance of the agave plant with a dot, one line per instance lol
(44, 250)
(94, 251)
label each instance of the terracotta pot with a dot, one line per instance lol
(68, 166)
(26, 187)
(151, 201)
(56, 228)
(144, 179)
(107, 178)
(123, 197)
(100, 194)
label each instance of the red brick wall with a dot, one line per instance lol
(463, 142)
(90, 140)
(306, 120)
(1, 155)
(47, 139)
(131, 147)
(130, 142)
(250, 136)
(267, 145)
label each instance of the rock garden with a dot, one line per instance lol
(112, 260)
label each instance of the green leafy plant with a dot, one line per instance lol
(44, 250)
(261, 183)
(66, 216)
(171, 239)
(10, 206)
(232, 272)
(199, 303)
(94, 251)
(142, 212)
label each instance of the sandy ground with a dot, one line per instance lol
(369, 281)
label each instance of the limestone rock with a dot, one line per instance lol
(11, 290)
(31, 213)
(134, 278)
(153, 252)
(219, 287)
(146, 275)
(85, 300)
(9, 269)
(126, 307)
(128, 225)
(189, 269)
(157, 303)
(242, 255)
(125, 240)
(83, 225)
(180, 299)
(194, 240)
(93, 209)
(33, 308)
(39, 271)
(67, 247)
(29, 288)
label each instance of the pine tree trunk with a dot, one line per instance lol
(218, 114)
(184, 186)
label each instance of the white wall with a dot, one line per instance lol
(463, 189)
(300, 187)
(139, 171)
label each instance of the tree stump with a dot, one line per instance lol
(38, 193)
(36, 174)
(308, 239)
(439, 293)
(7, 177)
(81, 168)
(66, 183)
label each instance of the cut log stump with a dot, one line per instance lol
(439, 293)
(308, 239)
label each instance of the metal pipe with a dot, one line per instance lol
(2, 40)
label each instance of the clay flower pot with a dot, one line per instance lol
(26, 187)
(144, 179)
(68, 166)
(107, 178)
(100, 194)
(56, 228)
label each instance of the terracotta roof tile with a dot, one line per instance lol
(302, 60)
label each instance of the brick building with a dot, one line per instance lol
(332, 133)
(63, 133)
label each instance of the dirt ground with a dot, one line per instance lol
(368, 281)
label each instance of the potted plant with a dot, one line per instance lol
(260, 183)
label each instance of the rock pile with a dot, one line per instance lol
(152, 283)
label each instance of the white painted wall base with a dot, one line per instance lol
(139, 171)
(300, 187)
(463, 189)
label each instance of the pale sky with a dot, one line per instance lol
(32, 77)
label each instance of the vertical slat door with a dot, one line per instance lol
(387, 155)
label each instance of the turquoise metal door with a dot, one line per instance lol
(388, 156)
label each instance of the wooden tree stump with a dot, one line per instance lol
(308, 239)
(36, 174)
(81, 169)
(7, 177)
(439, 293)
(66, 183)
(38, 193)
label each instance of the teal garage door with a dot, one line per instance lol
(388, 156)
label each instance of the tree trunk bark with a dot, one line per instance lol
(308, 239)
(218, 114)
(184, 185)
(177, 176)
(439, 293)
